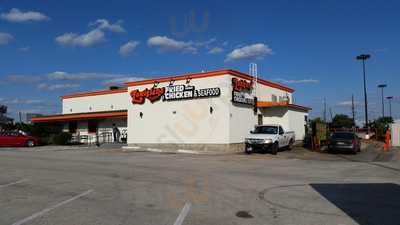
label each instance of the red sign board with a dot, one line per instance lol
(153, 94)
(241, 85)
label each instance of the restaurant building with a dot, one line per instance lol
(210, 111)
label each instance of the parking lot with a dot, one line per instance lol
(91, 186)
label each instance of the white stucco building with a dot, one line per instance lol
(208, 111)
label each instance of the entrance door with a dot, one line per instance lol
(260, 119)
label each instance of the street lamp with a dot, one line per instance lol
(389, 98)
(364, 57)
(382, 86)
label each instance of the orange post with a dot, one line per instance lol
(387, 144)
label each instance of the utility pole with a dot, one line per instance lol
(324, 109)
(20, 117)
(330, 112)
(389, 98)
(364, 57)
(353, 111)
(382, 86)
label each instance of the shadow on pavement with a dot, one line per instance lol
(366, 203)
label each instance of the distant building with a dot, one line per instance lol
(29, 116)
(211, 111)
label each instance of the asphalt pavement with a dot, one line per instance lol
(114, 187)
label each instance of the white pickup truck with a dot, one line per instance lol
(269, 137)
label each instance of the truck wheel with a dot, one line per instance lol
(290, 146)
(274, 148)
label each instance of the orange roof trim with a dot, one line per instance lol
(81, 116)
(211, 74)
(265, 104)
(94, 93)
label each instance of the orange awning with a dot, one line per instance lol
(81, 116)
(266, 104)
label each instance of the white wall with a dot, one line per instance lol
(182, 121)
(97, 103)
(264, 93)
(395, 129)
(289, 119)
(297, 123)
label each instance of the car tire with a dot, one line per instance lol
(274, 148)
(247, 151)
(30, 143)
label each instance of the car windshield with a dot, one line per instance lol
(343, 136)
(266, 130)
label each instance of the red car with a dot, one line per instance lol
(16, 139)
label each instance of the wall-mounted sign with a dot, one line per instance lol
(241, 92)
(179, 92)
(173, 93)
(241, 85)
(153, 94)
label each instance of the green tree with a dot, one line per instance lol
(342, 121)
(380, 126)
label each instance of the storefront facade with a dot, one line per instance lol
(203, 111)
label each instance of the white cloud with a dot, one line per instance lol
(121, 80)
(349, 103)
(103, 24)
(5, 38)
(163, 43)
(60, 75)
(24, 49)
(17, 16)
(126, 49)
(54, 87)
(255, 51)
(14, 78)
(17, 101)
(82, 40)
(215, 50)
(301, 81)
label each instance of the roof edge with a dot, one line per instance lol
(94, 93)
(210, 74)
(80, 116)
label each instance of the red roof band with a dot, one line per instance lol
(182, 77)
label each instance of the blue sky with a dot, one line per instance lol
(51, 48)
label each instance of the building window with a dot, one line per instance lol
(274, 98)
(92, 126)
(72, 127)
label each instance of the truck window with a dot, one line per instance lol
(266, 130)
(281, 131)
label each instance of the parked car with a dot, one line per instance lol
(17, 139)
(344, 141)
(269, 138)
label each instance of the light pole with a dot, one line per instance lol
(364, 57)
(389, 98)
(382, 86)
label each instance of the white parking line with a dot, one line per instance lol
(183, 214)
(13, 183)
(27, 219)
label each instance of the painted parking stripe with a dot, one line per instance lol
(13, 183)
(44, 211)
(183, 214)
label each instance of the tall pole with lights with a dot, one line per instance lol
(382, 86)
(389, 98)
(363, 58)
